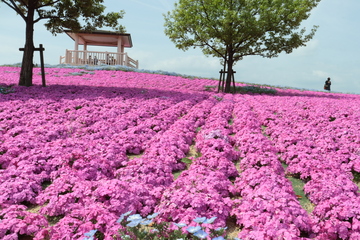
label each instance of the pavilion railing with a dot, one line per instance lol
(78, 57)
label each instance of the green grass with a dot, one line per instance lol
(259, 89)
(132, 156)
(356, 179)
(210, 88)
(254, 89)
(298, 186)
(193, 153)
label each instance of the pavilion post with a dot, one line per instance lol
(119, 57)
(76, 55)
(85, 55)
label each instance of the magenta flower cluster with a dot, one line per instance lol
(93, 145)
(268, 207)
(319, 141)
(204, 188)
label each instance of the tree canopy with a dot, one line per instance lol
(75, 15)
(233, 29)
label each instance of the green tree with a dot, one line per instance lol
(233, 29)
(60, 14)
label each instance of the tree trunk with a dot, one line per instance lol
(27, 61)
(230, 63)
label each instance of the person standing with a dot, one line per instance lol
(327, 84)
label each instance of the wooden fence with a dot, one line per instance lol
(78, 57)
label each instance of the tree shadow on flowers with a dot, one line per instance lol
(72, 92)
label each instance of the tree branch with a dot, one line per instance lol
(45, 17)
(49, 4)
(208, 18)
(41, 16)
(15, 8)
(23, 2)
(205, 43)
(38, 12)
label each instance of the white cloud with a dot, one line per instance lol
(309, 49)
(162, 5)
(320, 74)
(167, 4)
(197, 65)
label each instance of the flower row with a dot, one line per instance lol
(318, 142)
(268, 207)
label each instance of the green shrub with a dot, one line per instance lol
(254, 89)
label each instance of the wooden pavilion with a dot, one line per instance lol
(99, 38)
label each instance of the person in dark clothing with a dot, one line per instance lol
(327, 84)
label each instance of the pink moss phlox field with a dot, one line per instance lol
(93, 145)
(318, 142)
(204, 189)
(268, 207)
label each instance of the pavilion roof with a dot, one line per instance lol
(101, 38)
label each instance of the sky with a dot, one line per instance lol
(333, 52)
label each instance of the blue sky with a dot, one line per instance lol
(333, 52)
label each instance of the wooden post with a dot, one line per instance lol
(233, 80)
(221, 85)
(41, 49)
(222, 80)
